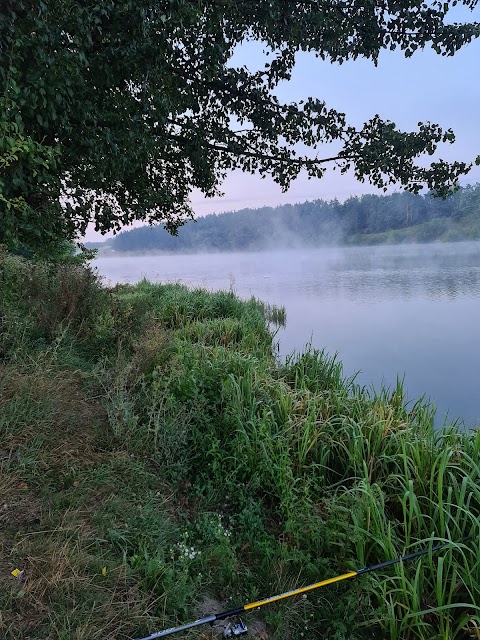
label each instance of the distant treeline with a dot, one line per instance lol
(399, 217)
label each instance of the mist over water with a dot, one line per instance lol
(406, 310)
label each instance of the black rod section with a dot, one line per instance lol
(410, 556)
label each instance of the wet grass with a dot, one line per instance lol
(153, 453)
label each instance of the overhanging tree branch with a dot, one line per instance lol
(91, 92)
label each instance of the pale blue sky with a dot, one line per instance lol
(405, 90)
(445, 90)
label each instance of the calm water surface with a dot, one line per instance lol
(387, 311)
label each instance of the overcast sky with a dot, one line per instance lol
(444, 90)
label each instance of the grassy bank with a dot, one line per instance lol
(157, 462)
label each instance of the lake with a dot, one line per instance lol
(404, 310)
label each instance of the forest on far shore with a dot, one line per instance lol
(369, 219)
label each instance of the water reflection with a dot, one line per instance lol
(361, 274)
(370, 274)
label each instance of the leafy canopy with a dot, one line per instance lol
(114, 111)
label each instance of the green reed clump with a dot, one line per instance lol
(175, 305)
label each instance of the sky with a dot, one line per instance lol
(425, 87)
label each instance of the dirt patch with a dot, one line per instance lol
(209, 606)
(19, 507)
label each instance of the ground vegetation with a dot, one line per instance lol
(154, 456)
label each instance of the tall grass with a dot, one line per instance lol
(210, 470)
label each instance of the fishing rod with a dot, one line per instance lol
(240, 628)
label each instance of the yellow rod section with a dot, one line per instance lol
(296, 592)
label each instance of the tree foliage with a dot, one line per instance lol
(114, 111)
